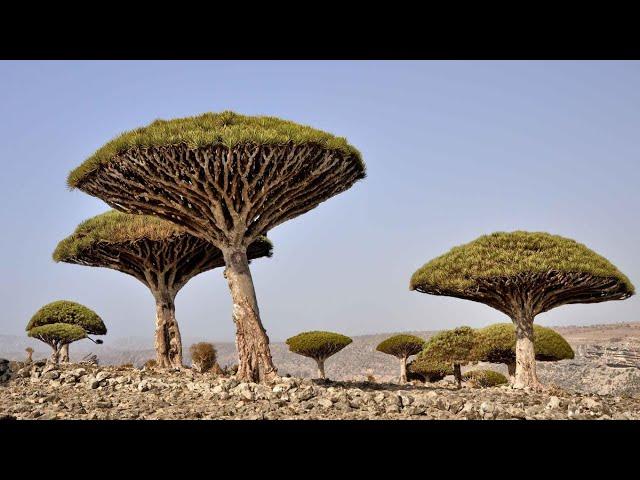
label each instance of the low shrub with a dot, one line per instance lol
(150, 364)
(203, 356)
(485, 378)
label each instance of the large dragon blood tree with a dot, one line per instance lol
(161, 254)
(228, 179)
(523, 274)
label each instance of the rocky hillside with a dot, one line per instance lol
(607, 358)
(41, 391)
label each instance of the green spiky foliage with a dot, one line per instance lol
(497, 344)
(318, 345)
(454, 347)
(226, 128)
(428, 369)
(504, 255)
(401, 345)
(63, 333)
(67, 312)
(485, 378)
(135, 243)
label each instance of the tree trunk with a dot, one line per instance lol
(64, 353)
(403, 369)
(55, 356)
(511, 368)
(457, 373)
(525, 375)
(320, 362)
(254, 357)
(168, 342)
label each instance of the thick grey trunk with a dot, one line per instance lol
(320, 362)
(168, 342)
(64, 353)
(403, 369)
(55, 356)
(525, 374)
(457, 373)
(254, 357)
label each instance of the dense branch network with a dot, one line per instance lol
(228, 196)
(165, 265)
(534, 293)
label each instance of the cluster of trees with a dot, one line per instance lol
(192, 194)
(446, 352)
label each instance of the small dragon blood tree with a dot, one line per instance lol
(455, 347)
(318, 345)
(63, 322)
(161, 254)
(523, 274)
(228, 179)
(428, 369)
(497, 344)
(401, 347)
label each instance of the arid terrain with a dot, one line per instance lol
(603, 381)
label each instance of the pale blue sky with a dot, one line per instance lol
(453, 149)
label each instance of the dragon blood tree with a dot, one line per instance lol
(523, 274)
(497, 344)
(401, 347)
(455, 347)
(228, 179)
(63, 322)
(318, 345)
(161, 254)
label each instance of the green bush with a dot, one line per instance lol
(64, 311)
(497, 344)
(485, 378)
(401, 345)
(428, 370)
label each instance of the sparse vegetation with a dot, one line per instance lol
(29, 351)
(318, 345)
(523, 274)
(203, 356)
(485, 378)
(401, 347)
(151, 363)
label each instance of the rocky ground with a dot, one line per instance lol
(43, 391)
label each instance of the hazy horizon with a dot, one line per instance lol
(453, 150)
